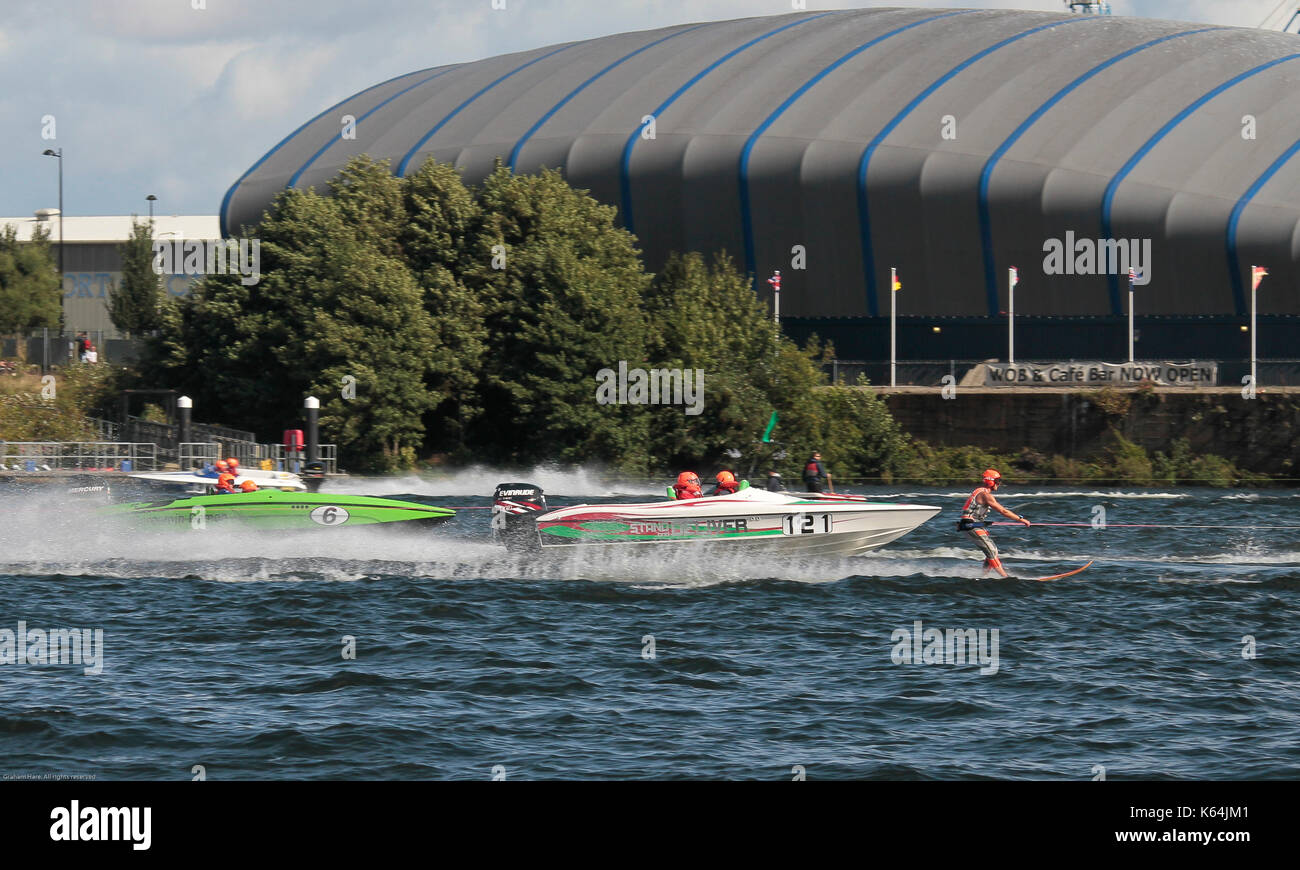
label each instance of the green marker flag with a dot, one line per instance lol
(767, 433)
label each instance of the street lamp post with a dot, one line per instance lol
(50, 152)
(152, 199)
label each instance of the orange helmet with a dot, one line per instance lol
(248, 486)
(221, 466)
(688, 478)
(232, 462)
(725, 477)
(991, 477)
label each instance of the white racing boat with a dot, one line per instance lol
(803, 523)
(263, 479)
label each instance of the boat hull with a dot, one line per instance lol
(274, 510)
(814, 526)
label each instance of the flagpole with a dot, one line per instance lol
(1011, 316)
(1130, 318)
(893, 334)
(1254, 289)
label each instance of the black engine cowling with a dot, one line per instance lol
(515, 508)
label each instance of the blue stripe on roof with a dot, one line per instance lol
(625, 184)
(864, 205)
(986, 224)
(225, 200)
(514, 152)
(1234, 264)
(293, 179)
(1108, 201)
(745, 216)
(401, 167)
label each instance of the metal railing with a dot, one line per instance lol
(196, 454)
(47, 349)
(930, 372)
(32, 456)
(327, 454)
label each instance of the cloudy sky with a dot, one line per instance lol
(156, 96)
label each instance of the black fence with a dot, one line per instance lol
(45, 350)
(166, 435)
(1163, 337)
(930, 373)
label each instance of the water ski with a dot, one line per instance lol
(1060, 576)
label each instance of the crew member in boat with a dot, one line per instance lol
(726, 483)
(687, 486)
(225, 482)
(248, 486)
(815, 476)
(972, 522)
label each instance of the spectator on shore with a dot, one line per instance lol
(774, 482)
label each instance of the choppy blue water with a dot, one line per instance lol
(227, 652)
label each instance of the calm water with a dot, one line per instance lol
(226, 651)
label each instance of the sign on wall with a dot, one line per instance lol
(1101, 374)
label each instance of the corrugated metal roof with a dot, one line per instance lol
(827, 130)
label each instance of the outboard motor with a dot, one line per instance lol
(515, 508)
(92, 490)
(313, 475)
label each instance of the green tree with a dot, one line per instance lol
(561, 285)
(441, 213)
(335, 312)
(135, 305)
(30, 295)
(706, 317)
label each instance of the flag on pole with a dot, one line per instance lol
(775, 281)
(1257, 274)
(898, 285)
(1132, 277)
(1015, 276)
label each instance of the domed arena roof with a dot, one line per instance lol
(949, 143)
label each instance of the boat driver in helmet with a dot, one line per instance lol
(687, 486)
(726, 483)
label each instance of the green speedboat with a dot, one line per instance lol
(275, 510)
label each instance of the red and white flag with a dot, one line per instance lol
(775, 281)
(1257, 274)
(1015, 276)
